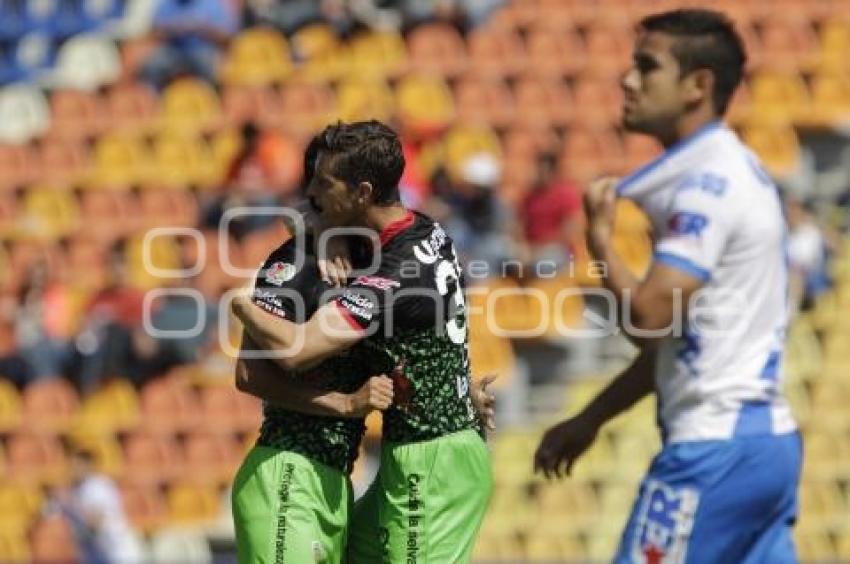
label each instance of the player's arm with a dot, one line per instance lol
(296, 346)
(565, 442)
(652, 305)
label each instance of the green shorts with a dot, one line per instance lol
(289, 508)
(426, 503)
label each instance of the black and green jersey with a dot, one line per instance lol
(294, 291)
(413, 310)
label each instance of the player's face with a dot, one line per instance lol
(335, 202)
(654, 96)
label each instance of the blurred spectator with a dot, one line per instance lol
(264, 173)
(92, 505)
(290, 15)
(478, 220)
(416, 12)
(550, 227)
(809, 252)
(41, 309)
(192, 33)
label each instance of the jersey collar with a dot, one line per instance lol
(390, 231)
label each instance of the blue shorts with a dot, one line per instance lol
(717, 501)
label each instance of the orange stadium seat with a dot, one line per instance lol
(214, 458)
(151, 459)
(640, 150)
(425, 104)
(543, 102)
(108, 214)
(144, 506)
(190, 105)
(609, 47)
(53, 541)
(364, 98)
(437, 48)
(496, 52)
(63, 163)
(223, 405)
(76, 114)
(590, 153)
(50, 405)
(18, 165)
(377, 54)
(169, 405)
(257, 56)
(10, 407)
(35, 459)
(485, 100)
(133, 107)
(119, 160)
(554, 54)
(161, 207)
(779, 98)
(777, 146)
(192, 504)
(242, 103)
(789, 42)
(528, 141)
(305, 108)
(600, 100)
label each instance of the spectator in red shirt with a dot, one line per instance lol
(550, 218)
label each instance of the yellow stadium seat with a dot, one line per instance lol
(50, 405)
(14, 546)
(225, 146)
(779, 98)
(377, 54)
(548, 546)
(464, 140)
(815, 547)
(114, 407)
(182, 160)
(49, 212)
(364, 98)
(108, 456)
(257, 56)
(835, 43)
(777, 146)
(192, 504)
(190, 105)
(489, 353)
(320, 53)
(564, 303)
(164, 254)
(830, 99)
(19, 503)
(120, 161)
(425, 104)
(10, 407)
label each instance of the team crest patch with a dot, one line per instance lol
(280, 273)
(664, 523)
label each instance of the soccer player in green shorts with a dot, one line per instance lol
(435, 480)
(292, 495)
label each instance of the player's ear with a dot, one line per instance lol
(365, 192)
(699, 86)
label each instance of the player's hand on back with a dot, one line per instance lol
(562, 445)
(335, 262)
(485, 402)
(376, 393)
(600, 199)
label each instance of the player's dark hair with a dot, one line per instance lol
(365, 151)
(704, 39)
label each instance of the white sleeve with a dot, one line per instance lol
(694, 232)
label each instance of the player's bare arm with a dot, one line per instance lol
(565, 442)
(658, 299)
(295, 346)
(484, 401)
(265, 380)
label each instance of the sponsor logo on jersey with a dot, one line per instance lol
(664, 522)
(279, 273)
(376, 282)
(687, 224)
